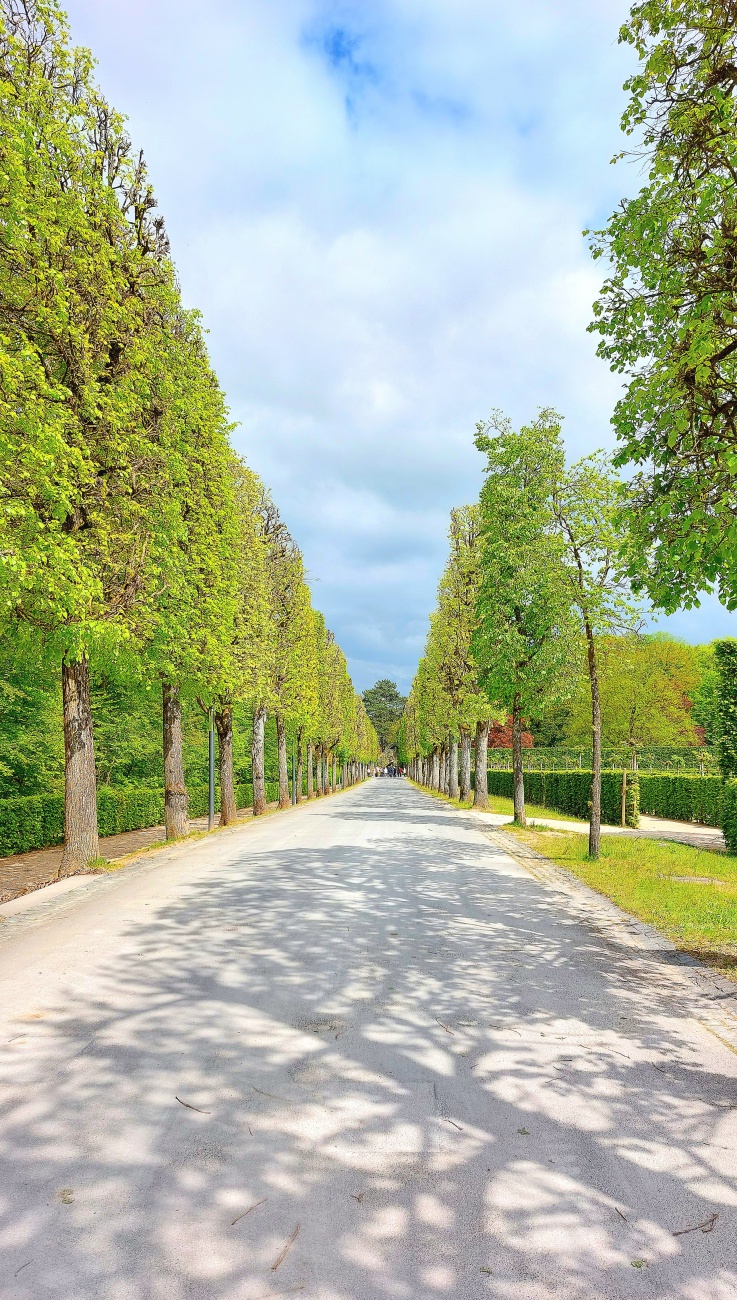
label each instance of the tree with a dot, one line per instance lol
(705, 711)
(239, 674)
(647, 685)
(191, 637)
(384, 706)
(667, 314)
(286, 652)
(725, 655)
(524, 622)
(86, 289)
(585, 501)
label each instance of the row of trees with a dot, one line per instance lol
(535, 563)
(562, 550)
(131, 535)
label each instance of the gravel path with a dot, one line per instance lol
(359, 1051)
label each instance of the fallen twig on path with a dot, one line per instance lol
(197, 1108)
(622, 1216)
(445, 1027)
(272, 1095)
(286, 1249)
(248, 1211)
(707, 1226)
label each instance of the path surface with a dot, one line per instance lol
(695, 834)
(20, 873)
(407, 1068)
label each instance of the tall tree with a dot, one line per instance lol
(585, 501)
(85, 286)
(667, 314)
(384, 706)
(525, 625)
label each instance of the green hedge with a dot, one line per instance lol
(685, 798)
(570, 792)
(729, 814)
(37, 821)
(33, 822)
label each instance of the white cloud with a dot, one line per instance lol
(378, 207)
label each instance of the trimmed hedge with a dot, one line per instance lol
(570, 792)
(729, 814)
(684, 797)
(31, 822)
(37, 821)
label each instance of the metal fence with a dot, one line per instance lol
(651, 758)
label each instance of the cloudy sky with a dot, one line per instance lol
(377, 205)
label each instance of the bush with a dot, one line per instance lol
(128, 808)
(729, 815)
(37, 821)
(570, 792)
(686, 798)
(31, 822)
(725, 655)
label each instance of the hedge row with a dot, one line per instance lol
(686, 798)
(729, 814)
(37, 821)
(570, 792)
(33, 822)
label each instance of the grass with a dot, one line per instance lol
(640, 876)
(497, 804)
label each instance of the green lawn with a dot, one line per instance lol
(640, 876)
(499, 805)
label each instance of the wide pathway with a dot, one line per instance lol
(356, 1052)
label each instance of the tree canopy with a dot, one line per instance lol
(384, 706)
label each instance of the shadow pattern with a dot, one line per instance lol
(389, 1066)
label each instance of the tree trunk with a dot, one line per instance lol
(481, 775)
(435, 778)
(453, 781)
(257, 763)
(81, 843)
(465, 777)
(281, 744)
(224, 728)
(595, 820)
(519, 776)
(310, 771)
(175, 791)
(335, 773)
(300, 765)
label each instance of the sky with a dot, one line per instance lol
(378, 207)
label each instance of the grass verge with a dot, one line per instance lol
(499, 805)
(646, 879)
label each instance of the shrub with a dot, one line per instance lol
(685, 797)
(37, 821)
(729, 814)
(31, 822)
(570, 792)
(725, 654)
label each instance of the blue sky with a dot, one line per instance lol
(378, 209)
